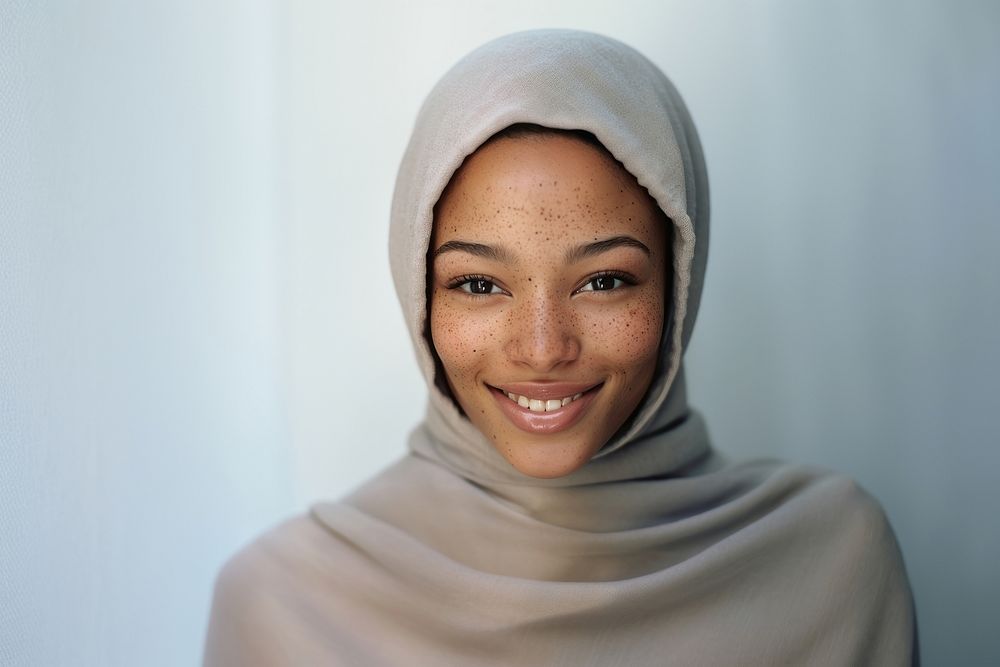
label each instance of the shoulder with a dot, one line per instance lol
(259, 592)
(815, 508)
(831, 548)
(808, 490)
(808, 521)
(273, 554)
(833, 501)
(860, 525)
(816, 544)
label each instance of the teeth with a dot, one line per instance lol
(538, 405)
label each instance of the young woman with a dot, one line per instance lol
(561, 503)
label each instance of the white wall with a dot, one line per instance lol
(142, 427)
(198, 333)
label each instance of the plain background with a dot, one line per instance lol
(198, 334)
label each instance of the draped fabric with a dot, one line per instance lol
(657, 551)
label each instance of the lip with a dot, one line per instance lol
(546, 390)
(544, 423)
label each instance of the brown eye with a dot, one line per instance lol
(479, 286)
(603, 283)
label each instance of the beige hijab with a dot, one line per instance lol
(656, 552)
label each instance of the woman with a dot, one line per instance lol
(561, 504)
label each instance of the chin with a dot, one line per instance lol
(546, 461)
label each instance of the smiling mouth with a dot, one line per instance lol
(545, 408)
(542, 397)
(542, 405)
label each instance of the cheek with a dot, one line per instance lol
(630, 336)
(462, 336)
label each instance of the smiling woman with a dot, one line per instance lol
(547, 296)
(561, 504)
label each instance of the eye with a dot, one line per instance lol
(602, 283)
(476, 285)
(605, 282)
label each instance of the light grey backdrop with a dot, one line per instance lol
(198, 334)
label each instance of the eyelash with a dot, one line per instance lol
(628, 280)
(461, 282)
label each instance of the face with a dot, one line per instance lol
(548, 266)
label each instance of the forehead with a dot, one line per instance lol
(547, 187)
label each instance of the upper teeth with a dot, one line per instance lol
(538, 405)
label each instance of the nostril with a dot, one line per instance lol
(544, 352)
(542, 333)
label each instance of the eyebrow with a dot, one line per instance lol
(598, 247)
(495, 253)
(504, 256)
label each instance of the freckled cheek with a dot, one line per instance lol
(463, 337)
(630, 335)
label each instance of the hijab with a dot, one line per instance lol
(656, 551)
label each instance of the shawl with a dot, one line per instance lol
(656, 552)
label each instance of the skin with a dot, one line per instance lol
(539, 309)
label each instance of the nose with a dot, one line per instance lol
(543, 334)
